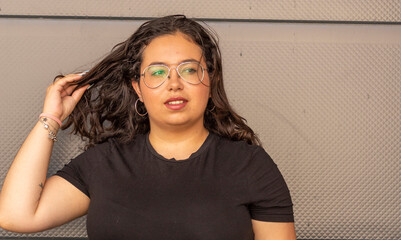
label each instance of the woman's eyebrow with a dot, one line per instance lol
(186, 60)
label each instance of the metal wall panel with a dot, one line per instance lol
(318, 10)
(324, 98)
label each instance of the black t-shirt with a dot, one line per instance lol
(135, 193)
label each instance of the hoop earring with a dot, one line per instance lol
(211, 110)
(136, 109)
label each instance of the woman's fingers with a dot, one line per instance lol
(61, 97)
(65, 83)
(77, 94)
(67, 90)
(62, 84)
(68, 78)
(69, 102)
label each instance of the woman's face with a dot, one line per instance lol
(175, 103)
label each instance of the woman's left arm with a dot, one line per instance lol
(273, 230)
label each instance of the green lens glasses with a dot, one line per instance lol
(155, 75)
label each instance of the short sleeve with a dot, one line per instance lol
(270, 198)
(75, 172)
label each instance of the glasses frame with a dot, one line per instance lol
(169, 70)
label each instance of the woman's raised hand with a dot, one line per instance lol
(28, 201)
(62, 96)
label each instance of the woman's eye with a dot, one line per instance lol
(158, 73)
(189, 70)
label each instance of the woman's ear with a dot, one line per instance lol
(135, 85)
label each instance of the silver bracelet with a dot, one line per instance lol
(51, 135)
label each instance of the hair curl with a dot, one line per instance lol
(107, 109)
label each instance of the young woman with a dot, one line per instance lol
(167, 157)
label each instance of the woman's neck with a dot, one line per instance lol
(172, 143)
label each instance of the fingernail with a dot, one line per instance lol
(83, 73)
(90, 86)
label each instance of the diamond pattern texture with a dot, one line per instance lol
(319, 10)
(324, 99)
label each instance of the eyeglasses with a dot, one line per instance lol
(155, 75)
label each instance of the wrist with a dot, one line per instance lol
(52, 117)
(53, 125)
(52, 131)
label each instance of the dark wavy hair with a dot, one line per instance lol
(107, 110)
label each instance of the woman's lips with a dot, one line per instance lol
(176, 103)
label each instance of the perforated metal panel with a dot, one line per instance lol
(319, 10)
(331, 123)
(328, 111)
(325, 100)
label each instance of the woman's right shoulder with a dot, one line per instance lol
(100, 148)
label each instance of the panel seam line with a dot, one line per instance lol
(66, 17)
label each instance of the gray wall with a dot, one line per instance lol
(319, 81)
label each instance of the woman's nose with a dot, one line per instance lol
(174, 80)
